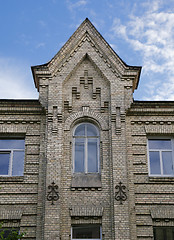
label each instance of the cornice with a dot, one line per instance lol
(20, 121)
(147, 112)
(8, 106)
(145, 122)
(154, 104)
(152, 108)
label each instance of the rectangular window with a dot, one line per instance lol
(12, 157)
(89, 232)
(86, 149)
(160, 157)
(163, 233)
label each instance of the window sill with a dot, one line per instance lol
(12, 179)
(90, 180)
(161, 179)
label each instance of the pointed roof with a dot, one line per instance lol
(86, 31)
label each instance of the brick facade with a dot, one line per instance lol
(86, 82)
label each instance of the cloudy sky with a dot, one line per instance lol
(140, 31)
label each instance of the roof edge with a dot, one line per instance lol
(115, 55)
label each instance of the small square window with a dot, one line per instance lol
(163, 233)
(12, 157)
(89, 232)
(160, 157)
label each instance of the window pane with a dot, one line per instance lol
(80, 130)
(12, 143)
(154, 163)
(79, 155)
(163, 233)
(4, 163)
(167, 163)
(91, 130)
(86, 232)
(169, 233)
(159, 234)
(159, 144)
(18, 163)
(92, 155)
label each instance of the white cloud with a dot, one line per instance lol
(152, 34)
(164, 91)
(16, 80)
(41, 44)
(152, 5)
(119, 29)
(72, 5)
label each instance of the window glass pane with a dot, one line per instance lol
(154, 163)
(91, 130)
(80, 130)
(92, 155)
(12, 143)
(159, 144)
(86, 232)
(163, 233)
(169, 233)
(167, 163)
(4, 163)
(159, 234)
(18, 163)
(79, 155)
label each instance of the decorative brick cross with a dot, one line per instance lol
(86, 80)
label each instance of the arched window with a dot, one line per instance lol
(86, 148)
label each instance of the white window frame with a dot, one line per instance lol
(160, 151)
(86, 148)
(10, 152)
(87, 238)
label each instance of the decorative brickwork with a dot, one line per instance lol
(87, 82)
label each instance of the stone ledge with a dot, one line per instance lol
(10, 215)
(162, 212)
(90, 180)
(86, 211)
(161, 179)
(12, 179)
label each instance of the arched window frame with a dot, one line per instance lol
(86, 138)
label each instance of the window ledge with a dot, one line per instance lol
(161, 179)
(90, 180)
(12, 179)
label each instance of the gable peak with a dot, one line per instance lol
(85, 32)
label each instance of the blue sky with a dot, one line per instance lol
(140, 31)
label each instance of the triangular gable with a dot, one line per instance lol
(87, 32)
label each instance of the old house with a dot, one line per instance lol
(86, 161)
